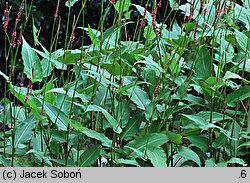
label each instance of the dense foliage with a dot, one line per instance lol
(135, 91)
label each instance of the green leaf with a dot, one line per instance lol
(24, 132)
(189, 154)
(149, 32)
(20, 93)
(149, 141)
(197, 120)
(157, 156)
(36, 42)
(32, 64)
(141, 11)
(138, 97)
(247, 144)
(71, 93)
(70, 3)
(93, 35)
(203, 66)
(90, 133)
(121, 5)
(52, 59)
(90, 155)
(127, 162)
(216, 117)
(174, 137)
(238, 95)
(47, 67)
(242, 40)
(4, 161)
(133, 126)
(231, 75)
(40, 156)
(4, 76)
(139, 153)
(56, 116)
(110, 118)
(199, 141)
(49, 97)
(211, 163)
(237, 161)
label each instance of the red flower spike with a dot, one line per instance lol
(205, 12)
(154, 20)
(191, 11)
(158, 89)
(195, 30)
(201, 6)
(230, 6)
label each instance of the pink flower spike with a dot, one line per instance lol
(154, 20)
(158, 89)
(112, 2)
(143, 22)
(21, 8)
(28, 92)
(159, 4)
(6, 17)
(19, 41)
(57, 9)
(14, 35)
(73, 30)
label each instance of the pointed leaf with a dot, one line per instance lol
(25, 132)
(32, 65)
(90, 133)
(110, 118)
(157, 157)
(56, 116)
(90, 156)
(238, 95)
(189, 154)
